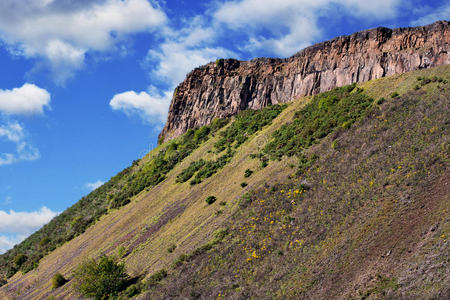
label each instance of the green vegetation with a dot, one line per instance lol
(100, 279)
(117, 192)
(171, 248)
(383, 284)
(157, 277)
(326, 113)
(244, 184)
(211, 199)
(423, 80)
(219, 62)
(20, 259)
(211, 167)
(121, 251)
(381, 101)
(187, 173)
(248, 173)
(394, 95)
(245, 125)
(155, 171)
(58, 280)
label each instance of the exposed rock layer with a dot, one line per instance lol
(228, 86)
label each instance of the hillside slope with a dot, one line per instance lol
(356, 208)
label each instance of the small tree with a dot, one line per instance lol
(101, 279)
(58, 280)
(211, 199)
(20, 259)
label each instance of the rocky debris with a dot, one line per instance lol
(227, 86)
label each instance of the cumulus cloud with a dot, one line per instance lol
(442, 13)
(287, 26)
(94, 185)
(62, 32)
(183, 50)
(7, 242)
(150, 107)
(15, 133)
(24, 222)
(28, 99)
(16, 226)
(180, 52)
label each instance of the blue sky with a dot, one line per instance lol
(85, 84)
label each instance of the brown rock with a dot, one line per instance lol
(223, 89)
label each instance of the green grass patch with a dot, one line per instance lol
(327, 112)
(245, 124)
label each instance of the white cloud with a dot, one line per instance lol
(151, 107)
(62, 32)
(7, 242)
(16, 226)
(94, 185)
(292, 24)
(442, 13)
(184, 50)
(14, 132)
(24, 222)
(29, 99)
(178, 54)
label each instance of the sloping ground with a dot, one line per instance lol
(369, 218)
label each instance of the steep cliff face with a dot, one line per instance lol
(228, 86)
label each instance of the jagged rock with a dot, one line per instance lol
(222, 89)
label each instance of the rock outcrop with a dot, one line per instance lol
(224, 88)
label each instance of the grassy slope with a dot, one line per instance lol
(373, 223)
(173, 213)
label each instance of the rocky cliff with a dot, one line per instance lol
(223, 88)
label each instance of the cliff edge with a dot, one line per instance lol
(224, 88)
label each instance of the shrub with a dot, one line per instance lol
(3, 281)
(381, 101)
(187, 173)
(43, 242)
(171, 248)
(244, 184)
(122, 251)
(157, 277)
(58, 280)
(210, 200)
(133, 290)
(100, 279)
(180, 260)
(248, 173)
(394, 95)
(20, 259)
(219, 62)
